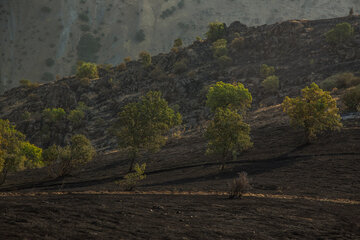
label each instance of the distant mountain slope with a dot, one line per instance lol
(41, 39)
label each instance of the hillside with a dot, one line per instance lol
(298, 190)
(59, 33)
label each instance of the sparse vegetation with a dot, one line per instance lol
(158, 74)
(237, 43)
(53, 115)
(341, 33)
(145, 58)
(315, 111)
(142, 125)
(127, 59)
(224, 61)
(16, 153)
(216, 31)
(28, 84)
(225, 95)
(219, 48)
(180, 66)
(271, 84)
(266, 70)
(340, 80)
(61, 161)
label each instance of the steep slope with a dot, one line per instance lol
(297, 49)
(42, 39)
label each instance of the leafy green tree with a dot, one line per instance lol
(53, 115)
(216, 31)
(87, 70)
(315, 110)
(219, 48)
(131, 180)
(145, 58)
(178, 43)
(351, 99)
(224, 61)
(15, 153)
(237, 43)
(63, 160)
(235, 96)
(271, 84)
(142, 125)
(227, 134)
(342, 32)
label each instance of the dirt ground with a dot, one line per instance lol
(298, 192)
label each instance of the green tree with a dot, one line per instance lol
(266, 70)
(61, 161)
(131, 180)
(315, 110)
(145, 58)
(227, 134)
(178, 43)
(87, 70)
(216, 31)
(53, 115)
(142, 125)
(235, 96)
(15, 153)
(342, 32)
(351, 99)
(219, 48)
(237, 43)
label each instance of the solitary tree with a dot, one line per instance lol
(142, 125)
(145, 58)
(235, 96)
(87, 70)
(216, 31)
(16, 153)
(315, 110)
(226, 134)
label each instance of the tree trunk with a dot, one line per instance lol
(3, 175)
(132, 160)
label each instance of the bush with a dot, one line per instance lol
(87, 70)
(84, 17)
(88, 47)
(85, 28)
(76, 117)
(145, 58)
(178, 43)
(219, 48)
(222, 95)
(142, 125)
(224, 61)
(315, 111)
(227, 134)
(131, 180)
(54, 114)
(180, 66)
(15, 153)
(271, 84)
(266, 70)
(351, 99)
(139, 36)
(121, 67)
(340, 80)
(127, 59)
(158, 74)
(61, 161)
(216, 31)
(237, 44)
(342, 32)
(49, 62)
(28, 84)
(239, 186)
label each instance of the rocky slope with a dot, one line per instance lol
(41, 39)
(297, 49)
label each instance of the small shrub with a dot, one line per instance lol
(351, 99)
(139, 36)
(271, 84)
(158, 74)
(340, 80)
(85, 28)
(131, 180)
(145, 58)
(26, 116)
(178, 43)
(342, 32)
(216, 31)
(61, 161)
(87, 70)
(180, 66)
(76, 117)
(239, 185)
(121, 67)
(84, 17)
(237, 44)
(224, 61)
(127, 59)
(266, 70)
(49, 62)
(28, 84)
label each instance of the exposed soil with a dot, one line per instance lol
(298, 191)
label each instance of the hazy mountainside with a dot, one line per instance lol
(297, 49)
(44, 38)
